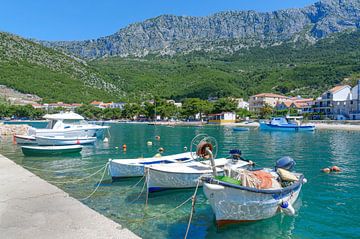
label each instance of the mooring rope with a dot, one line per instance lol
(142, 190)
(193, 198)
(98, 185)
(81, 179)
(61, 171)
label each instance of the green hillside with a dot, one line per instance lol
(289, 69)
(32, 68)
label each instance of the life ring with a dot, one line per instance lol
(201, 149)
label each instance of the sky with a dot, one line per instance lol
(90, 19)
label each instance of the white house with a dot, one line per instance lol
(334, 102)
(354, 104)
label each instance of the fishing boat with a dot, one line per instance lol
(61, 140)
(242, 196)
(50, 150)
(289, 123)
(122, 168)
(24, 139)
(68, 124)
(186, 175)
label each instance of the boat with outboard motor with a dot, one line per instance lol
(123, 168)
(186, 175)
(50, 150)
(289, 123)
(243, 195)
(61, 140)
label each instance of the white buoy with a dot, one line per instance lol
(149, 143)
(106, 140)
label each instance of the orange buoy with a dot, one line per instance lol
(326, 170)
(124, 147)
(335, 169)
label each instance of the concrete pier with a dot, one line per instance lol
(32, 208)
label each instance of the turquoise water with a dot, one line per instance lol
(328, 207)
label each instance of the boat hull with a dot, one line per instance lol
(291, 128)
(25, 139)
(46, 141)
(175, 176)
(49, 150)
(124, 168)
(160, 180)
(232, 205)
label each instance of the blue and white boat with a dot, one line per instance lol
(286, 124)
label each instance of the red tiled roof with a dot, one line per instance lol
(270, 95)
(337, 88)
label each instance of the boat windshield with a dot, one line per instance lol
(75, 122)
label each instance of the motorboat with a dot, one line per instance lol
(242, 195)
(68, 124)
(50, 150)
(61, 140)
(289, 123)
(186, 175)
(122, 168)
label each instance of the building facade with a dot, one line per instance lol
(256, 102)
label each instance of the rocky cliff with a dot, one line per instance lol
(225, 31)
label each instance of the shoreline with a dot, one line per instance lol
(30, 207)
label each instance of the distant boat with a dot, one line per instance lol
(61, 140)
(50, 150)
(285, 124)
(68, 124)
(24, 139)
(240, 129)
(120, 168)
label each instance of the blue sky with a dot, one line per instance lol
(89, 19)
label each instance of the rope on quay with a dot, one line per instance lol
(61, 171)
(81, 179)
(193, 199)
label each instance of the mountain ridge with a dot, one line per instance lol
(171, 34)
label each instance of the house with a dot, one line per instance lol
(241, 104)
(354, 104)
(222, 118)
(302, 105)
(256, 102)
(334, 102)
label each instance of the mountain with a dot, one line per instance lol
(307, 70)
(222, 32)
(32, 68)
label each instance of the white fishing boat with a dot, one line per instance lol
(121, 168)
(243, 196)
(24, 139)
(50, 150)
(186, 175)
(68, 124)
(61, 140)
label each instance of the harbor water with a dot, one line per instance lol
(328, 206)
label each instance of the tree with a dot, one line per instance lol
(265, 111)
(224, 105)
(131, 110)
(194, 106)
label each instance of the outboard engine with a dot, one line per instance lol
(286, 163)
(235, 154)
